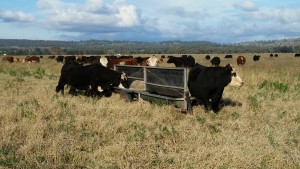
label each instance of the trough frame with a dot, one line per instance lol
(184, 102)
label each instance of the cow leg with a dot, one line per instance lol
(95, 92)
(72, 91)
(216, 100)
(207, 104)
(107, 92)
(60, 88)
(60, 85)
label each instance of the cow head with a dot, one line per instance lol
(124, 81)
(153, 61)
(236, 80)
(103, 60)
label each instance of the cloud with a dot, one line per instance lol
(246, 5)
(217, 21)
(94, 14)
(13, 16)
(179, 11)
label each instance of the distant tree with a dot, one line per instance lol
(56, 51)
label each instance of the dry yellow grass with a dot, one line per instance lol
(258, 127)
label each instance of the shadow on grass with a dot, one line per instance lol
(223, 103)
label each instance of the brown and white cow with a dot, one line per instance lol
(241, 60)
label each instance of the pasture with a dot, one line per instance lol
(258, 125)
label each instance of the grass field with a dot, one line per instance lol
(258, 126)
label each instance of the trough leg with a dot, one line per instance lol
(188, 103)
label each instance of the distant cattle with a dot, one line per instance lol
(148, 61)
(271, 55)
(276, 55)
(69, 58)
(241, 60)
(89, 78)
(183, 61)
(60, 59)
(207, 84)
(256, 58)
(228, 56)
(207, 57)
(52, 57)
(10, 59)
(215, 61)
(32, 59)
(297, 55)
(88, 59)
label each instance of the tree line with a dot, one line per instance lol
(101, 47)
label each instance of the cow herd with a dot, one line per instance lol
(89, 74)
(204, 83)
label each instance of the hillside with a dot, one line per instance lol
(27, 47)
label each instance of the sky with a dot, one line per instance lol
(220, 21)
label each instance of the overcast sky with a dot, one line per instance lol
(222, 21)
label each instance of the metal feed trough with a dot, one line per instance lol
(162, 85)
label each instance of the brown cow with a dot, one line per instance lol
(10, 59)
(241, 60)
(147, 61)
(126, 61)
(32, 59)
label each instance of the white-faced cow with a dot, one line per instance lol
(241, 60)
(152, 61)
(103, 60)
(88, 78)
(207, 84)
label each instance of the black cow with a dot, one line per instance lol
(88, 78)
(297, 54)
(256, 58)
(207, 57)
(215, 61)
(228, 56)
(60, 58)
(207, 84)
(183, 61)
(69, 58)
